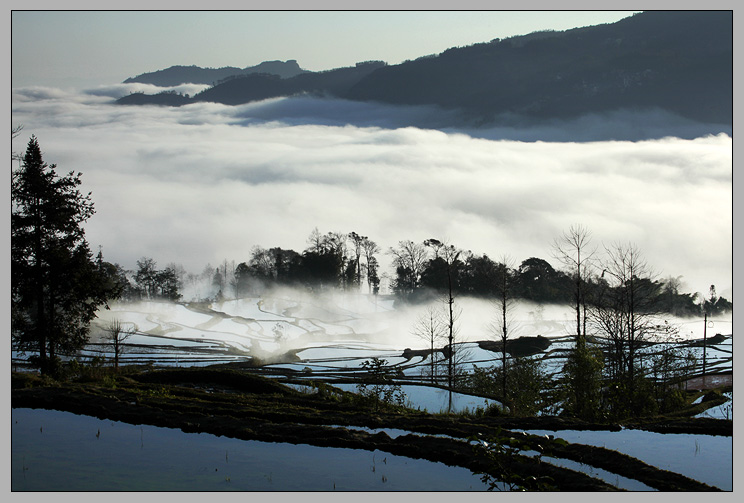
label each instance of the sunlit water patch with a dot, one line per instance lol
(613, 479)
(247, 308)
(723, 411)
(706, 458)
(270, 326)
(425, 398)
(347, 350)
(431, 399)
(61, 451)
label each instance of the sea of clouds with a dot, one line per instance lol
(206, 182)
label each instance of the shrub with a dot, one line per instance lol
(582, 383)
(379, 386)
(525, 382)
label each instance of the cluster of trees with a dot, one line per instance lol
(422, 273)
(624, 361)
(331, 261)
(151, 283)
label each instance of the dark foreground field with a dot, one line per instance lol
(241, 405)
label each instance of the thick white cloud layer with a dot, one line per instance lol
(206, 182)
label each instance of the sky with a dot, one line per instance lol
(205, 183)
(91, 48)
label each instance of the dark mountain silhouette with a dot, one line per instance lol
(176, 75)
(679, 61)
(166, 98)
(246, 88)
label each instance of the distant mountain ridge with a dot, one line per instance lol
(246, 88)
(176, 75)
(678, 61)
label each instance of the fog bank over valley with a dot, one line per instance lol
(319, 328)
(205, 182)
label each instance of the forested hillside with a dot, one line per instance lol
(178, 74)
(681, 62)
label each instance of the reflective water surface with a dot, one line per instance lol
(706, 458)
(61, 451)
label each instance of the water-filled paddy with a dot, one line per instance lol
(706, 458)
(61, 451)
(433, 399)
(330, 342)
(325, 331)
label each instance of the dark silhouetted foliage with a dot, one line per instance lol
(56, 285)
(678, 61)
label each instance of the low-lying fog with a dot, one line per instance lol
(205, 182)
(285, 319)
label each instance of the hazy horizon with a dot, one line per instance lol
(85, 49)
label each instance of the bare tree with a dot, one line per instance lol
(429, 326)
(455, 353)
(573, 250)
(449, 254)
(116, 334)
(315, 241)
(625, 311)
(505, 282)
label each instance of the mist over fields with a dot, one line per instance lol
(205, 182)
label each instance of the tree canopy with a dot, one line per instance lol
(56, 286)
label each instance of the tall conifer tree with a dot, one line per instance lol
(56, 286)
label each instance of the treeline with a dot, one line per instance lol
(332, 261)
(420, 273)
